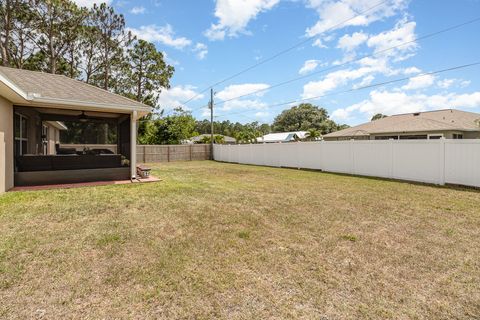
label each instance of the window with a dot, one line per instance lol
(21, 134)
(414, 137)
(435, 136)
(386, 137)
(457, 136)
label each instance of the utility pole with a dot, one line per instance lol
(211, 124)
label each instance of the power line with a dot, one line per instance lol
(365, 87)
(282, 52)
(352, 61)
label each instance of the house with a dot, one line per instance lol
(227, 139)
(40, 111)
(448, 124)
(283, 137)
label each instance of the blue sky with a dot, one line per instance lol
(209, 40)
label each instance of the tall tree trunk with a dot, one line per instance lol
(106, 72)
(53, 65)
(51, 47)
(139, 84)
(7, 29)
(72, 62)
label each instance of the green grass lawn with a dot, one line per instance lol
(228, 241)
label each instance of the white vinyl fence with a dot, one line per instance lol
(431, 161)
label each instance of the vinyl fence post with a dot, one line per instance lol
(392, 146)
(442, 164)
(352, 156)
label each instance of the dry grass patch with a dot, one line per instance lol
(228, 241)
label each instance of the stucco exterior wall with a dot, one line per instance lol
(6, 145)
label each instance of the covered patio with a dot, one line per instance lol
(55, 146)
(63, 131)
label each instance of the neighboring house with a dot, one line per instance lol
(227, 139)
(283, 137)
(36, 109)
(448, 124)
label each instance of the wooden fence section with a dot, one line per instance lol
(169, 153)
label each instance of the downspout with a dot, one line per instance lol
(133, 145)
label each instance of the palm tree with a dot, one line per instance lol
(313, 134)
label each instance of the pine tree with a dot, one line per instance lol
(114, 39)
(148, 72)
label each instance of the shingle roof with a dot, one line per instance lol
(52, 86)
(440, 120)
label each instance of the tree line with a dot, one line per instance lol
(93, 45)
(181, 126)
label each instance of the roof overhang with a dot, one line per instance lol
(14, 94)
(58, 124)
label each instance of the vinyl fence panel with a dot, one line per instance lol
(310, 155)
(337, 157)
(419, 160)
(462, 162)
(431, 161)
(372, 158)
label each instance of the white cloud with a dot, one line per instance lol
(262, 115)
(411, 70)
(447, 83)
(419, 82)
(138, 10)
(389, 103)
(90, 3)
(338, 78)
(169, 60)
(173, 97)
(365, 82)
(402, 32)
(334, 14)
(164, 35)
(201, 50)
(350, 42)
(234, 16)
(319, 43)
(309, 66)
(243, 104)
(237, 90)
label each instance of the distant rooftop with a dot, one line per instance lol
(438, 120)
(282, 136)
(200, 137)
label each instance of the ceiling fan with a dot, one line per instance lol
(83, 117)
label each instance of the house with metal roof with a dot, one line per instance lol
(448, 124)
(44, 116)
(282, 137)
